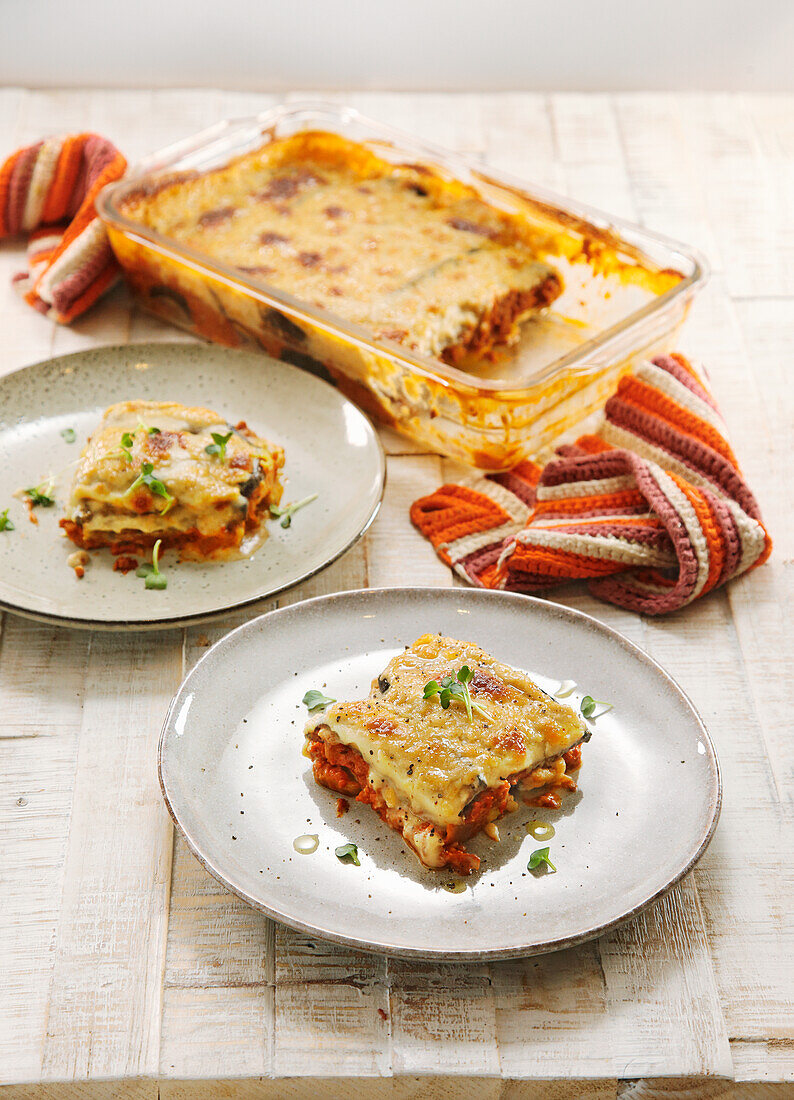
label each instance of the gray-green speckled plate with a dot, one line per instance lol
(240, 791)
(331, 449)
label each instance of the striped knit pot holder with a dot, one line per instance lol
(48, 190)
(652, 510)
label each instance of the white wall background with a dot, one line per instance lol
(272, 45)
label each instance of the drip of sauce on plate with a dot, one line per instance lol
(306, 844)
(250, 544)
(78, 561)
(540, 830)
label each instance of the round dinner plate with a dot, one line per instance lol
(240, 791)
(331, 450)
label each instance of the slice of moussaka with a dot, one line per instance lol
(445, 739)
(157, 470)
(400, 249)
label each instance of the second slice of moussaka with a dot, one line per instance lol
(437, 775)
(409, 255)
(156, 470)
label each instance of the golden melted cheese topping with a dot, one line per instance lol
(395, 248)
(207, 492)
(436, 760)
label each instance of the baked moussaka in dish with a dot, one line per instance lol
(160, 471)
(409, 255)
(438, 767)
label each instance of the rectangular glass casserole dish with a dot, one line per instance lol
(626, 291)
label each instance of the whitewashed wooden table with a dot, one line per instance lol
(125, 970)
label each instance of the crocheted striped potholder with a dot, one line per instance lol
(47, 191)
(652, 510)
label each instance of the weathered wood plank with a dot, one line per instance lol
(129, 1088)
(520, 139)
(394, 1088)
(396, 553)
(327, 1027)
(763, 1059)
(748, 204)
(214, 938)
(105, 994)
(443, 1019)
(699, 1088)
(744, 900)
(661, 992)
(666, 169)
(763, 603)
(42, 678)
(36, 780)
(590, 152)
(216, 1031)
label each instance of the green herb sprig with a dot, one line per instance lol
(455, 689)
(314, 700)
(5, 523)
(40, 496)
(589, 704)
(141, 427)
(288, 511)
(540, 858)
(153, 484)
(218, 447)
(127, 440)
(153, 578)
(347, 853)
(69, 435)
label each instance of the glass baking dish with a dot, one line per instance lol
(626, 292)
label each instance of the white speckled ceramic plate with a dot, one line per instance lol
(331, 449)
(238, 787)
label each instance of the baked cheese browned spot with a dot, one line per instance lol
(210, 503)
(414, 258)
(433, 774)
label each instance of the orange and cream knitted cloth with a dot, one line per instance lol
(47, 190)
(652, 510)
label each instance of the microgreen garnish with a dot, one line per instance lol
(219, 446)
(314, 700)
(127, 439)
(566, 688)
(288, 511)
(41, 495)
(151, 572)
(5, 523)
(347, 853)
(153, 431)
(453, 689)
(589, 704)
(153, 484)
(69, 435)
(540, 858)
